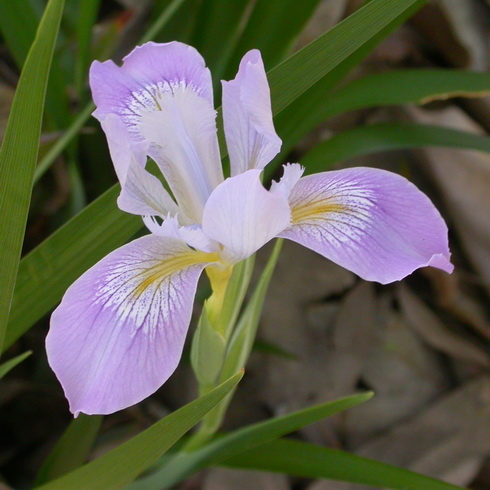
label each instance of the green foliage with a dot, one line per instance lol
(11, 363)
(19, 151)
(122, 465)
(310, 461)
(240, 441)
(72, 449)
(388, 136)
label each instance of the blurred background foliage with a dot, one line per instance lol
(396, 84)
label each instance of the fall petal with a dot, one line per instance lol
(372, 222)
(119, 331)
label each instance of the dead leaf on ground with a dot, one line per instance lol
(463, 179)
(430, 328)
(449, 440)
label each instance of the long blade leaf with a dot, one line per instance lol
(377, 90)
(238, 442)
(388, 136)
(309, 461)
(124, 463)
(19, 151)
(72, 449)
(11, 363)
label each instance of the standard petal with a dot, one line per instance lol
(148, 72)
(242, 215)
(372, 222)
(123, 151)
(247, 115)
(141, 193)
(119, 331)
(183, 143)
(163, 96)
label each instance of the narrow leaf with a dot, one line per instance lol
(273, 27)
(123, 464)
(388, 136)
(72, 449)
(240, 441)
(11, 363)
(305, 460)
(46, 272)
(18, 154)
(87, 15)
(377, 90)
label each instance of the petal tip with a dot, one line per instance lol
(441, 261)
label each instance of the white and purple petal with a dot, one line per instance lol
(119, 331)
(243, 216)
(163, 96)
(372, 222)
(183, 143)
(247, 116)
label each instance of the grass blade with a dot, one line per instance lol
(240, 441)
(273, 28)
(87, 15)
(377, 90)
(11, 363)
(309, 461)
(72, 449)
(18, 154)
(388, 136)
(123, 464)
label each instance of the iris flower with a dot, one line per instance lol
(119, 331)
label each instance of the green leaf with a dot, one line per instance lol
(46, 272)
(162, 20)
(123, 464)
(237, 442)
(302, 70)
(301, 116)
(273, 27)
(72, 449)
(18, 21)
(11, 363)
(288, 80)
(305, 460)
(87, 16)
(18, 154)
(378, 90)
(388, 136)
(18, 24)
(218, 31)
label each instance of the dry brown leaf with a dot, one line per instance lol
(449, 440)
(230, 479)
(461, 35)
(430, 328)
(404, 374)
(463, 178)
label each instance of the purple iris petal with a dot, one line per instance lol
(147, 72)
(372, 222)
(243, 216)
(250, 135)
(119, 332)
(163, 96)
